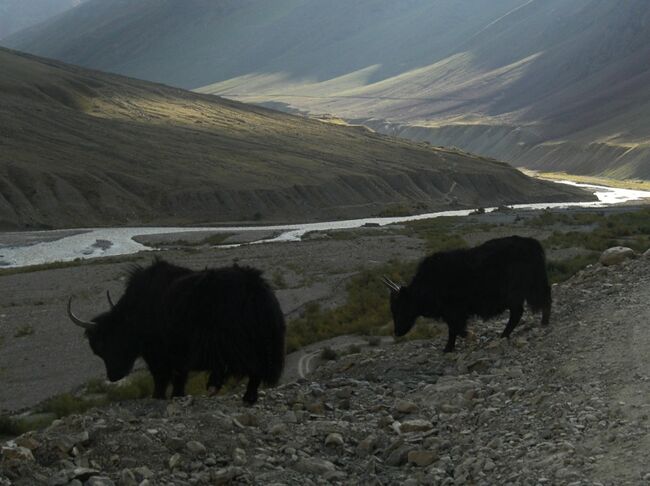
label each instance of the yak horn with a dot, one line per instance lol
(390, 284)
(110, 301)
(85, 324)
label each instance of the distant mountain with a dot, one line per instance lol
(17, 15)
(549, 84)
(84, 148)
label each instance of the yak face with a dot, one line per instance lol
(404, 310)
(110, 341)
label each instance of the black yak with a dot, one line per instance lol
(226, 321)
(483, 281)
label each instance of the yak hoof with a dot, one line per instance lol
(250, 398)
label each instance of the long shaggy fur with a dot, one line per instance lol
(226, 321)
(484, 281)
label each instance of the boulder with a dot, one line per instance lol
(616, 255)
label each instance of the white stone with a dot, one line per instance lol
(616, 255)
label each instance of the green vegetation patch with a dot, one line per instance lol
(366, 310)
(631, 229)
(24, 330)
(442, 234)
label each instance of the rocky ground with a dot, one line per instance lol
(564, 404)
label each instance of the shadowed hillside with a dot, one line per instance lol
(83, 148)
(16, 15)
(547, 84)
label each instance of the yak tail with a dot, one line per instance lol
(539, 298)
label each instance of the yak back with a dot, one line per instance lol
(483, 280)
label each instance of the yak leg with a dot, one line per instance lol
(546, 314)
(179, 379)
(455, 329)
(160, 382)
(516, 311)
(250, 396)
(215, 381)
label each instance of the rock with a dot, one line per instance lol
(416, 425)
(646, 254)
(143, 472)
(399, 456)
(334, 440)
(99, 481)
(196, 448)
(17, 453)
(239, 457)
(127, 478)
(520, 342)
(313, 465)
(247, 420)
(616, 255)
(174, 461)
(367, 445)
(225, 476)
(27, 442)
(405, 406)
(480, 365)
(278, 429)
(316, 408)
(83, 473)
(422, 458)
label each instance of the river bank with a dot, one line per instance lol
(43, 247)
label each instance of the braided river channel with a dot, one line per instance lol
(19, 249)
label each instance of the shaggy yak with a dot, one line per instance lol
(226, 321)
(483, 281)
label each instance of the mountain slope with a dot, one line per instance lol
(82, 148)
(16, 15)
(197, 42)
(548, 84)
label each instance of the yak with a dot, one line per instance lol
(226, 321)
(484, 281)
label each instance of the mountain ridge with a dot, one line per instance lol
(572, 75)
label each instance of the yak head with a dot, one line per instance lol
(110, 338)
(402, 306)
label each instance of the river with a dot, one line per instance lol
(19, 249)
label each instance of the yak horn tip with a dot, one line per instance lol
(108, 296)
(84, 324)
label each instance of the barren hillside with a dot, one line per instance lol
(82, 148)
